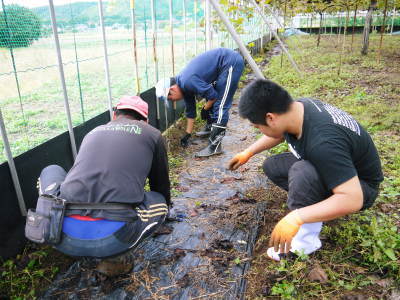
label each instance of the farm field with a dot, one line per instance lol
(360, 254)
(40, 114)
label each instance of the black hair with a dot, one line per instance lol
(261, 97)
(129, 112)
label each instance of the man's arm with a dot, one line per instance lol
(262, 144)
(347, 198)
(209, 104)
(159, 175)
(189, 125)
(190, 111)
(198, 86)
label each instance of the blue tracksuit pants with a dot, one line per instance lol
(226, 86)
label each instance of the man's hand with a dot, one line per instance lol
(204, 113)
(284, 232)
(185, 140)
(239, 159)
(209, 104)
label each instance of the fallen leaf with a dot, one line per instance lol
(222, 244)
(231, 179)
(360, 270)
(354, 296)
(318, 274)
(182, 188)
(179, 252)
(228, 180)
(164, 229)
(244, 169)
(194, 213)
(385, 283)
(248, 200)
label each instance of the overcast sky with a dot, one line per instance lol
(37, 3)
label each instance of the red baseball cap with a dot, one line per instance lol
(135, 103)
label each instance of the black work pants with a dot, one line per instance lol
(303, 183)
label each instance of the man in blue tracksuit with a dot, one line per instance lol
(213, 75)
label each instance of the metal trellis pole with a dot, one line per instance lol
(184, 31)
(163, 74)
(262, 29)
(77, 66)
(146, 45)
(106, 65)
(238, 41)
(154, 29)
(11, 165)
(62, 79)
(276, 36)
(195, 27)
(171, 25)
(135, 46)
(208, 24)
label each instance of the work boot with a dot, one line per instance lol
(118, 265)
(205, 115)
(205, 132)
(214, 142)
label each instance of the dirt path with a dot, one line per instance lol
(204, 252)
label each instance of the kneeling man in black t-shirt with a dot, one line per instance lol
(333, 169)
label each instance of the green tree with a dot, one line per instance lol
(19, 27)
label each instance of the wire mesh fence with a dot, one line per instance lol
(31, 96)
(339, 18)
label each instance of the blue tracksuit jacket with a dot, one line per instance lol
(212, 75)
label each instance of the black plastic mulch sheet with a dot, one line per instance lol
(205, 256)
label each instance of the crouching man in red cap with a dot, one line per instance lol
(109, 175)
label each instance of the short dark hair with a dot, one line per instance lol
(261, 97)
(129, 112)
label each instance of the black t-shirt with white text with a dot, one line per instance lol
(336, 145)
(112, 165)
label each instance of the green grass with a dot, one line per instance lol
(22, 277)
(363, 248)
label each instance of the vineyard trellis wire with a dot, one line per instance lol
(81, 46)
(63, 61)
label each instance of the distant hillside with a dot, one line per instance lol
(114, 12)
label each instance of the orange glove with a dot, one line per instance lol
(240, 159)
(284, 232)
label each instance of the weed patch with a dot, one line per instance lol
(26, 275)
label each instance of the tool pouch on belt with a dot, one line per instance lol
(45, 224)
